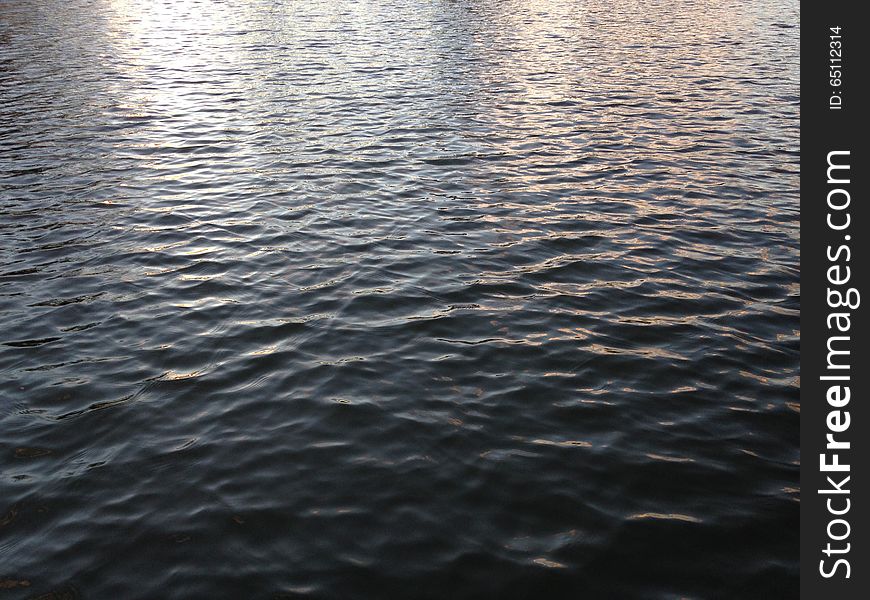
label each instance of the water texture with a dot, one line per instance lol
(399, 299)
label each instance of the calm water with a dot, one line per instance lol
(399, 299)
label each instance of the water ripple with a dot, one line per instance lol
(397, 299)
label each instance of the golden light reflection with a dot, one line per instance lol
(665, 517)
(177, 53)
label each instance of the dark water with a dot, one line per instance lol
(399, 299)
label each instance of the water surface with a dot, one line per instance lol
(399, 299)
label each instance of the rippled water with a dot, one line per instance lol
(399, 299)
